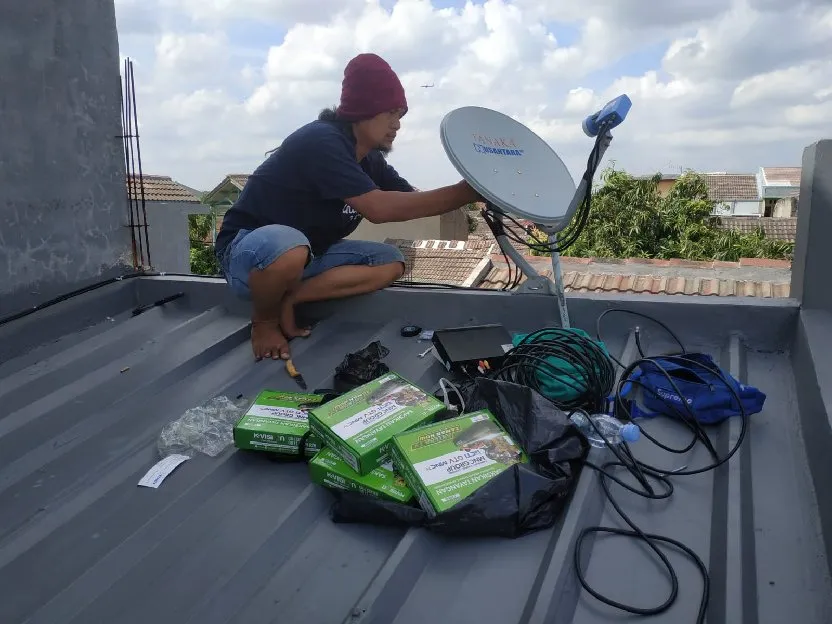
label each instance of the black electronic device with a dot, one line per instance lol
(465, 348)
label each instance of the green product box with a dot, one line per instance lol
(276, 422)
(446, 462)
(359, 425)
(329, 470)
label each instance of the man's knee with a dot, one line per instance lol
(276, 249)
(399, 269)
(392, 259)
(391, 271)
(291, 262)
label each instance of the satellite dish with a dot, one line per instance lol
(508, 164)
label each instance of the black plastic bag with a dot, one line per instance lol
(520, 500)
(361, 367)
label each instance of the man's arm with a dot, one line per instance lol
(392, 181)
(336, 174)
(379, 206)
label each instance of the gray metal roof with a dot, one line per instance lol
(240, 538)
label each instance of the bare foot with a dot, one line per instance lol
(287, 321)
(267, 341)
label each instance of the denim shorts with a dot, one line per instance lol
(257, 249)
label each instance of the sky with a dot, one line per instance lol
(716, 85)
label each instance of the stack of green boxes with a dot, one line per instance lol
(380, 439)
(276, 422)
(357, 429)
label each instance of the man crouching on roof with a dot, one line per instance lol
(283, 241)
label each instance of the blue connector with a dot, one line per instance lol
(613, 114)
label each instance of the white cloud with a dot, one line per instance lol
(784, 86)
(191, 56)
(579, 100)
(279, 11)
(747, 42)
(736, 83)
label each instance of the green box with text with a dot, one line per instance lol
(329, 470)
(445, 462)
(359, 425)
(276, 421)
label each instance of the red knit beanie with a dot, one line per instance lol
(370, 87)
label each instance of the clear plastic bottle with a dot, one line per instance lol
(613, 429)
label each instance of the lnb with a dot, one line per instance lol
(608, 117)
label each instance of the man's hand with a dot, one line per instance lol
(468, 191)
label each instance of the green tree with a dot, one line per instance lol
(629, 218)
(203, 260)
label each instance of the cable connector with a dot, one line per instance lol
(445, 385)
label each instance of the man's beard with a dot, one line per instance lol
(385, 149)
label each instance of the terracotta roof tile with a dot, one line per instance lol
(238, 179)
(777, 228)
(443, 262)
(442, 245)
(786, 176)
(483, 232)
(159, 188)
(728, 187)
(586, 281)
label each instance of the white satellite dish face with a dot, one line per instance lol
(508, 164)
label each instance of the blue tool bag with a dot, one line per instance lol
(700, 381)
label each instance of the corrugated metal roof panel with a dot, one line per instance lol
(243, 539)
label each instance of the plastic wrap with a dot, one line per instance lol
(361, 367)
(522, 499)
(205, 429)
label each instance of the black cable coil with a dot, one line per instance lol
(564, 357)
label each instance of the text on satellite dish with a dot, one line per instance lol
(496, 145)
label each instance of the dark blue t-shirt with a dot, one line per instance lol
(303, 184)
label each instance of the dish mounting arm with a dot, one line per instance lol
(540, 284)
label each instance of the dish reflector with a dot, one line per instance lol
(508, 164)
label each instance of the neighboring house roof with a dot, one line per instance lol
(461, 263)
(776, 228)
(196, 192)
(749, 277)
(781, 176)
(159, 188)
(663, 177)
(483, 232)
(732, 187)
(236, 180)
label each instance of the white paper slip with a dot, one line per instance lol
(162, 469)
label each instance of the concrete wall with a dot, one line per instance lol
(739, 208)
(748, 208)
(812, 251)
(62, 192)
(664, 186)
(451, 226)
(785, 207)
(168, 234)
